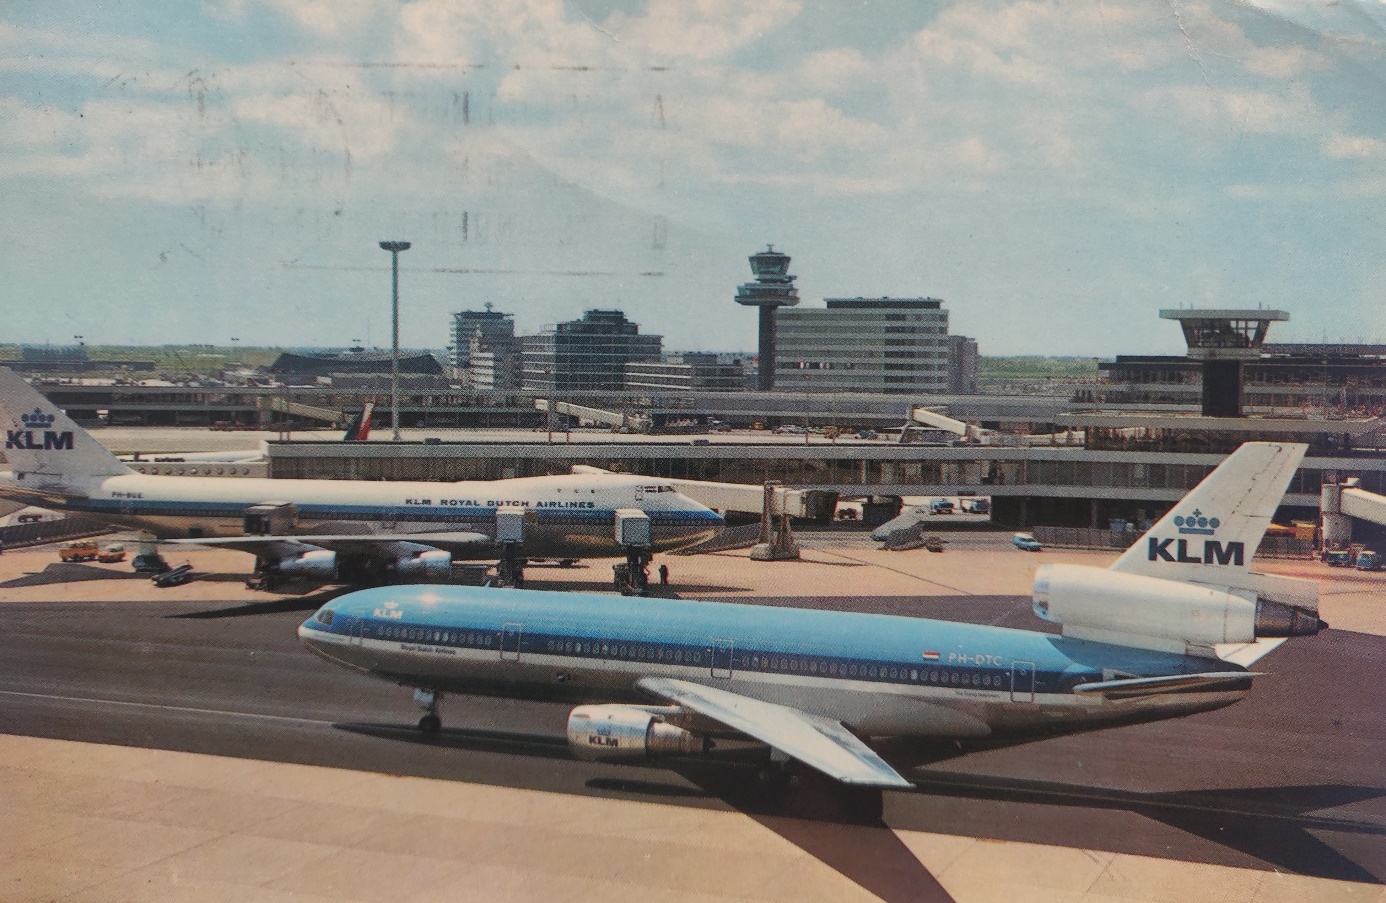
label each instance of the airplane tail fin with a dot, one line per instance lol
(1185, 585)
(1216, 528)
(42, 440)
(360, 428)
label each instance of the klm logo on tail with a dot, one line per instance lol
(36, 436)
(1213, 552)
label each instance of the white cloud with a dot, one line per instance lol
(702, 30)
(1339, 146)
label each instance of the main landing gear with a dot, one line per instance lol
(785, 787)
(429, 700)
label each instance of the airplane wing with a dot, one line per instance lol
(819, 742)
(395, 543)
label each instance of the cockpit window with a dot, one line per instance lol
(324, 617)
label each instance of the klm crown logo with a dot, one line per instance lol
(37, 420)
(35, 435)
(1196, 523)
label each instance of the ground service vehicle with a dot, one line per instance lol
(1367, 560)
(79, 550)
(175, 577)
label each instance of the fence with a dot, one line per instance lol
(1118, 540)
(38, 533)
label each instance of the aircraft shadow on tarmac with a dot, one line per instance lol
(1274, 825)
(822, 821)
(70, 572)
(310, 602)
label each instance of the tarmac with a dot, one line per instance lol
(177, 744)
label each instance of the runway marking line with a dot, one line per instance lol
(53, 697)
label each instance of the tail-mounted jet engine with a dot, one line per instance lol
(606, 732)
(431, 566)
(1092, 603)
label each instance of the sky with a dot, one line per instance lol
(1056, 173)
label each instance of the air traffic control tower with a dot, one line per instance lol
(1223, 340)
(773, 288)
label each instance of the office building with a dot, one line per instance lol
(587, 354)
(864, 345)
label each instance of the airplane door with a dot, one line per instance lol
(1022, 682)
(510, 642)
(722, 658)
(357, 628)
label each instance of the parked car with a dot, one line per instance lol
(1026, 542)
(1367, 560)
(1338, 558)
(111, 552)
(940, 506)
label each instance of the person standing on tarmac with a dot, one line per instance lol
(664, 575)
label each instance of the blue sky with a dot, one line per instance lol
(1057, 173)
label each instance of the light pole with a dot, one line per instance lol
(394, 247)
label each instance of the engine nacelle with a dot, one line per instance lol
(433, 565)
(316, 564)
(626, 732)
(1097, 603)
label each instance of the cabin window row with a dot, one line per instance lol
(677, 655)
(877, 672)
(440, 637)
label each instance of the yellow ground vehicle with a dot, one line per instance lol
(111, 552)
(79, 550)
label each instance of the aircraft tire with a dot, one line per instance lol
(430, 724)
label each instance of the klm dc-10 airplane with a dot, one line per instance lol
(345, 529)
(1170, 629)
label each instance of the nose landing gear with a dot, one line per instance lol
(429, 700)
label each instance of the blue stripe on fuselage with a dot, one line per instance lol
(419, 513)
(803, 643)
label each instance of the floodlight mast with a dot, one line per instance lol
(394, 247)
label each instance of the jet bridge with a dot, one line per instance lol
(626, 423)
(1340, 503)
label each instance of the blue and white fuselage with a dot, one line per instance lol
(569, 515)
(350, 529)
(1156, 635)
(881, 675)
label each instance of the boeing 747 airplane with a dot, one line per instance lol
(341, 529)
(1170, 629)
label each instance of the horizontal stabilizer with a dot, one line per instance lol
(1248, 654)
(1139, 687)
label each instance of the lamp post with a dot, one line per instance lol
(394, 247)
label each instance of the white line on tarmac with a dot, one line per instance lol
(51, 697)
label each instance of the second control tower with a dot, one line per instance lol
(773, 288)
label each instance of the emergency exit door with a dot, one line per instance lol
(722, 658)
